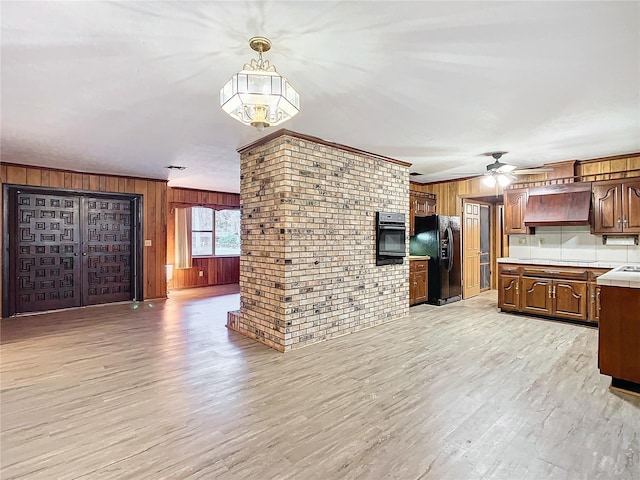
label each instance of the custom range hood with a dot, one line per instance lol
(567, 204)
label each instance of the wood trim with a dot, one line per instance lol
(613, 157)
(302, 136)
(59, 174)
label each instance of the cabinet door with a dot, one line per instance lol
(515, 204)
(509, 292)
(607, 210)
(431, 206)
(594, 303)
(570, 299)
(412, 288)
(536, 295)
(631, 207)
(420, 287)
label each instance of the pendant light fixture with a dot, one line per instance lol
(258, 95)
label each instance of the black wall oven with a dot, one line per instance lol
(391, 235)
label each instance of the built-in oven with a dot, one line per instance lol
(391, 236)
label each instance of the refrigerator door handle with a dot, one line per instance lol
(450, 250)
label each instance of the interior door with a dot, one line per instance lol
(485, 248)
(107, 250)
(45, 244)
(471, 246)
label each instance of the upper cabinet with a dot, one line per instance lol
(616, 207)
(515, 206)
(421, 205)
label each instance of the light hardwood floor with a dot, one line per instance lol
(165, 391)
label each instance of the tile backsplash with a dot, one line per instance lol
(569, 243)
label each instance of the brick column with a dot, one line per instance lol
(307, 268)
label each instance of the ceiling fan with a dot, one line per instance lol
(504, 173)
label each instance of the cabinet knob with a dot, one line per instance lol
(619, 221)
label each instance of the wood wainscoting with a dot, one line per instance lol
(154, 203)
(215, 270)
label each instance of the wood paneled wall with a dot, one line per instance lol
(449, 194)
(154, 201)
(610, 166)
(215, 270)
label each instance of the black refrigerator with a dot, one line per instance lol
(439, 237)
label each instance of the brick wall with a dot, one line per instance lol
(307, 269)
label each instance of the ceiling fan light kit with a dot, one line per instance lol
(503, 173)
(258, 95)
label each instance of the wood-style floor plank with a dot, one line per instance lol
(163, 390)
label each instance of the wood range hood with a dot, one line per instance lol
(559, 205)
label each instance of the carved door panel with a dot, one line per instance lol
(107, 250)
(631, 206)
(68, 250)
(46, 246)
(515, 204)
(509, 292)
(536, 296)
(570, 299)
(607, 210)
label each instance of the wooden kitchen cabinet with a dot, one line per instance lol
(570, 299)
(563, 293)
(515, 205)
(509, 292)
(616, 207)
(536, 296)
(420, 205)
(417, 281)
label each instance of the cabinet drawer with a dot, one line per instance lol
(418, 265)
(553, 272)
(509, 269)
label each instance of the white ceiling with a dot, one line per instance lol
(130, 87)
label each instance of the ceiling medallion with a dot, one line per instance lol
(258, 95)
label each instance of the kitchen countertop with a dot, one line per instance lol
(627, 275)
(563, 263)
(419, 257)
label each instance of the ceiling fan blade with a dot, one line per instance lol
(532, 171)
(506, 168)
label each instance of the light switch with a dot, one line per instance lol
(147, 243)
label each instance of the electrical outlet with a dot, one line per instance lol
(522, 241)
(147, 243)
(201, 273)
(541, 241)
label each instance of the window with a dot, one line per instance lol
(214, 232)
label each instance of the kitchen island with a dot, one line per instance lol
(619, 332)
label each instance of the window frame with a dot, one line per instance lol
(212, 231)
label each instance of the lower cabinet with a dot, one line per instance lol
(544, 291)
(417, 281)
(509, 292)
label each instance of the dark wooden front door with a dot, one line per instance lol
(70, 250)
(107, 251)
(47, 262)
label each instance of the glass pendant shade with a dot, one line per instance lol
(258, 95)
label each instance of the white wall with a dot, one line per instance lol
(569, 243)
